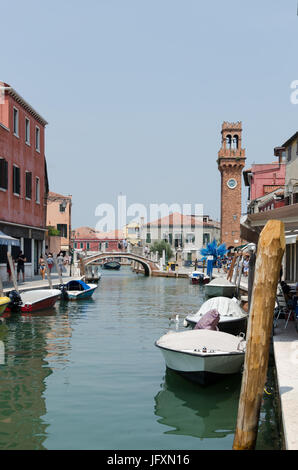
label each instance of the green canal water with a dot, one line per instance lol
(87, 375)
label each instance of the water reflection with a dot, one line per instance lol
(22, 385)
(31, 344)
(196, 411)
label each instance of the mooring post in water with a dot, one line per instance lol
(1, 287)
(15, 284)
(271, 248)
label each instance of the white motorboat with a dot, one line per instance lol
(220, 287)
(203, 356)
(197, 277)
(33, 300)
(233, 319)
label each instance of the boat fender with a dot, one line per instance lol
(241, 344)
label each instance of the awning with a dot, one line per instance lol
(291, 239)
(8, 241)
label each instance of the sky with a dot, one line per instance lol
(135, 92)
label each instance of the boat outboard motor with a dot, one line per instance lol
(64, 294)
(15, 301)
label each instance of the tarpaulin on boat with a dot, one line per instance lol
(77, 285)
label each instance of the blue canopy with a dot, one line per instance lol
(77, 285)
(8, 241)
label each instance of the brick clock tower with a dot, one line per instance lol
(231, 161)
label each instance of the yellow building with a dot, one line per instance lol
(132, 233)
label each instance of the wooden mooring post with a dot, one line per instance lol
(271, 248)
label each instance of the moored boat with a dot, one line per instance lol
(220, 287)
(203, 356)
(197, 277)
(77, 290)
(112, 265)
(233, 319)
(33, 301)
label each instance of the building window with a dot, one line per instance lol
(107, 244)
(16, 122)
(37, 139)
(88, 246)
(3, 174)
(28, 185)
(289, 153)
(63, 230)
(81, 245)
(75, 245)
(37, 190)
(148, 238)
(16, 181)
(206, 238)
(27, 131)
(62, 207)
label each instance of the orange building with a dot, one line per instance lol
(59, 219)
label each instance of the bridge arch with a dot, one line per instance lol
(147, 264)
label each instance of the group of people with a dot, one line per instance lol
(20, 260)
(62, 260)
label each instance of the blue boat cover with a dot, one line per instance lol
(81, 285)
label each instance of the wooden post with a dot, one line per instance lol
(13, 275)
(82, 267)
(48, 271)
(58, 270)
(230, 273)
(271, 248)
(1, 287)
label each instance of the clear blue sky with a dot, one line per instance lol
(135, 91)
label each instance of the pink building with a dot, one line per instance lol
(88, 239)
(262, 179)
(23, 177)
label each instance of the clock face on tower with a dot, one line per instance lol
(232, 183)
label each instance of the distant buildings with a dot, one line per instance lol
(89, 240)
(23, 178)
(186, 233)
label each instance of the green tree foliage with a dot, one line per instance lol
(159, 246)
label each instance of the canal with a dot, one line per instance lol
(87, 375)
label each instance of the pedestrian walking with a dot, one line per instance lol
(42, 267)
(60, 262)
(50, 261)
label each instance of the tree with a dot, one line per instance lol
(161, 246)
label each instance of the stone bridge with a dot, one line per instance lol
(149, 266)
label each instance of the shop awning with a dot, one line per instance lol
(7, 240)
